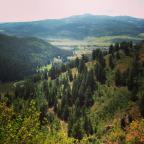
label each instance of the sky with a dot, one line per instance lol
(31, 10)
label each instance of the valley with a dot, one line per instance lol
(76, 80)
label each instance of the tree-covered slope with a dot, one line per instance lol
(97, 100)
(19, 57)
(77, 27)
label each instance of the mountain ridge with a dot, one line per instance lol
(82, 15)
(77, 27)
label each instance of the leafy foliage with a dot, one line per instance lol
(93, 105)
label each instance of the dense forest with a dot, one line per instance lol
(90, 100)
(20, 57)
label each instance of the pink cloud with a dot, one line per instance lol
(26, 10)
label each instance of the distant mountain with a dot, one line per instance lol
(19, 57)
(77, 27)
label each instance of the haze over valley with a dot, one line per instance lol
(83, 32)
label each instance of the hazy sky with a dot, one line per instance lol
(27, 10)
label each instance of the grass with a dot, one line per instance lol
(141, 35)
(90, 42)
(85, 46)
(107, 40)
(47, 67)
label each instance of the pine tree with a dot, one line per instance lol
(133, 76)
(63, 68)
(100, 73)
(81, 94)
(77, 61)
(46, 90)
(118, 55)
(111, 49)
(118, 78)
(52, 94)
(65, 112)
(88, 97)
(88, 126)
(111, 62)
(45, 75)
(75, 88)
(136, 74)
(90, 80)
(117, 46)
(94, 55)
(43, 113)
(77, 130)
(81, 66)
(84, 58)
(121, 78)
(9, 99)
(53, 73)
(70, 75)
(71, 122)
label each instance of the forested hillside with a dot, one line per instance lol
(19, 57)
(77, 27)
(90, 100)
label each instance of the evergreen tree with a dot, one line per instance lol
(71, 122)
(9, 99)
(102, 62)
(77, 61)
(117, 55)
(100, 73)
(77, 130)
(53, 72)
(65, 112)
(90, 80)
(84, 58)
(27, 91)
(43, 113)
(46, 90)
(133, 79)
(81, 94)
(117, 46)
(88, 97)
(81, 66)
(52, 94)
(111, 49)
(70, 75)
(94, 55)
(63, 68)
(88, 126)
(45, 75)
(111, 62)
(121, 78)
(118, 78)
(75, 88)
